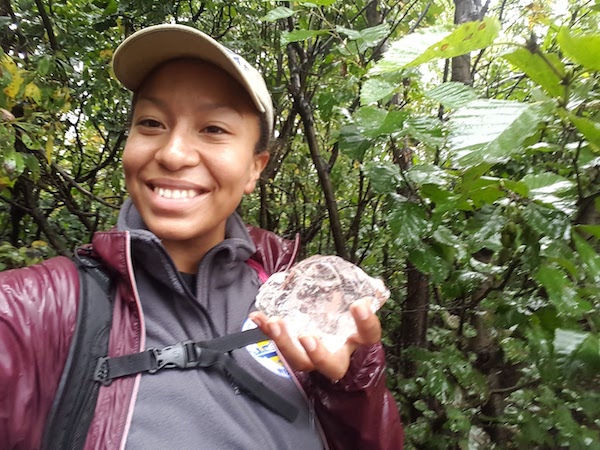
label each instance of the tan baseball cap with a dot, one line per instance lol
(144, 50)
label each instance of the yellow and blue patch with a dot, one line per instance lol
(265, 353)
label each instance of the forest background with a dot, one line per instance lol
(450, 147)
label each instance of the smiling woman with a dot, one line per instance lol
(186, 271)
(190, 156)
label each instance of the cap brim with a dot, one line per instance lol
(146, 49)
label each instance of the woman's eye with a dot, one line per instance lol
(213, 129)
(151, 123)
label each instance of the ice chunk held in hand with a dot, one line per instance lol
(315, 295)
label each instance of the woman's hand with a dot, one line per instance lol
(313, 355)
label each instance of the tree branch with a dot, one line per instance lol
(47, 25)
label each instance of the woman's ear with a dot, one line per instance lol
(260, 162)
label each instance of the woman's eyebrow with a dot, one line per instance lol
(202, 106)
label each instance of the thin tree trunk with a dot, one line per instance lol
(302, 105)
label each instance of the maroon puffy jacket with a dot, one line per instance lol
(38, 310)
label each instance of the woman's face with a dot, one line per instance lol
(190, 155)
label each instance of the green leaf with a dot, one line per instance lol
(561, 291)
(452, 94)
(392, 123)
(594, 230)
(589, 257)
(427, 130)
(421, 174)
(372, 36)
(547, 70)
(566, 342)
(583, 50)
(111, 8)
(372, 122)
(408, 223)
(349, 32)
(288, 37)
(491, 130)
(437, 43)
(402, 52)
(589, 129)
(12, 166)
(588, 356)
(430, 262)
(368, 37)
(547, 183)
(384, 176)
(281, 12)
(551, 188)
(353, 143)
(374, 89)
(369, 120)
(319, 2)
(547, 221)
(30, 143)
(44, 65)
(467, 37)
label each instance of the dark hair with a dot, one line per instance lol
(264, 138)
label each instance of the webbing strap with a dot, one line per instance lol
(201, 354)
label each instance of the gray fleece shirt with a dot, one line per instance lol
(202, 408)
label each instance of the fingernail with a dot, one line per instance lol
(362, 312)
(255, 320)
(275, 330)
(310, 344)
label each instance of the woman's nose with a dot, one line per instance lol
(178, 151)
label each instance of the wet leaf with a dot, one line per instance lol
(281, 12)
(384, 176)
(408, 223)
(547, 221)
(566, 342)
(465, 38)
(589, 129)
(491, 130)
(547, 70)
(589, 257)
(452, 94)
(561, 291)
(374, 89)
(299, 35)
(582, 49)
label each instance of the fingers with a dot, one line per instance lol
(275, 329)
(333, 365)
(311, 354)
(367, 323)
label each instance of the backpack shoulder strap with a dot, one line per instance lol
(75, 400)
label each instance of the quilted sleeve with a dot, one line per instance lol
(38, 310)
(358, 412)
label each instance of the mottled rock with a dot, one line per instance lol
(315, 295)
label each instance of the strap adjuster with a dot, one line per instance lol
(101, 372)
(183, 355)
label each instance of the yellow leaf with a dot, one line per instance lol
(32, 91)
(9, 64)
(106, 54)
(49, 148)
(16, 79)
(13, 88)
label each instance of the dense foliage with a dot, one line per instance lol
(452, 148)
